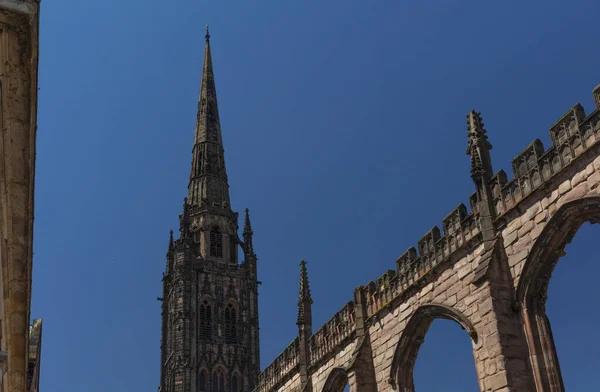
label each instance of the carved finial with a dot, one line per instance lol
(207, 36)
(476, 131)
(596, 94)
(184, 220)
(478, 146)
(305, 299)
(304, 286)
(247, 225)
(171, 242)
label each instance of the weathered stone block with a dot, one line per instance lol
(576, 193)
(564, 187)
(593, 180)
(527, 226)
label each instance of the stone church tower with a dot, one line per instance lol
(209, 340)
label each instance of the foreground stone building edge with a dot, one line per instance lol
(19, 40)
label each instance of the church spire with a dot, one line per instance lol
(208, 177)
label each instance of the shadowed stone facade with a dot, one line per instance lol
(35, 356)
(209, 336)
(488, 271)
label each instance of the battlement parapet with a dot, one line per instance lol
(571, 135)
(460, 229)
(340, 327)
(280, 369)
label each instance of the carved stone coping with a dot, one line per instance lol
(515, 190)
(333, 352)
(268, 379)
(426, 278)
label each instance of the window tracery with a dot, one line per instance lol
(233, 385)
(216, 243)
(218, 381)
(230, 324)
(205, 320)
(202, 381)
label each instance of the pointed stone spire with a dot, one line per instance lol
(208, 177)
(184, 220)
(478, 147)
(247, 225)
(247, 234)
(305, 301)
(170, 252)
(171, 242)
(304, 325)
(481, 172)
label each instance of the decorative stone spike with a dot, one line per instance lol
(304, 300)
(247, 225)
(478, 146)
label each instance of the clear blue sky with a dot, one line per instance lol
(344, 131)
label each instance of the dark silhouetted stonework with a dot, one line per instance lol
(209, 306)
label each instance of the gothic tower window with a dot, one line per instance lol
(202, 381)
(233, 387)
(216, 243)
(230, 324)
(218, 381)
(205, 321)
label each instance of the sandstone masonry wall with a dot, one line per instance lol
(488, 271)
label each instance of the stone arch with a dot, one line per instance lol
(203, 379)
(219, 378)
(405, 356)
(235, 381)
(336, 381)
(532, 288)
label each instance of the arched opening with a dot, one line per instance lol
(230, 324)
(572, 293)
(202, 381)
(411, 341)
(337, 381)
(205, 320)
(216, 242)
(233, 383)
(532, 290)
(218, 381)
(448, 354)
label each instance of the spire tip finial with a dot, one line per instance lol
(247, 224)
(304, 301)
(207, 36)
(171, 242)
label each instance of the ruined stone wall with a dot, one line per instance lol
(489, 272)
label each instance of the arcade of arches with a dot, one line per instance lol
(525, 345)
(489, 272)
